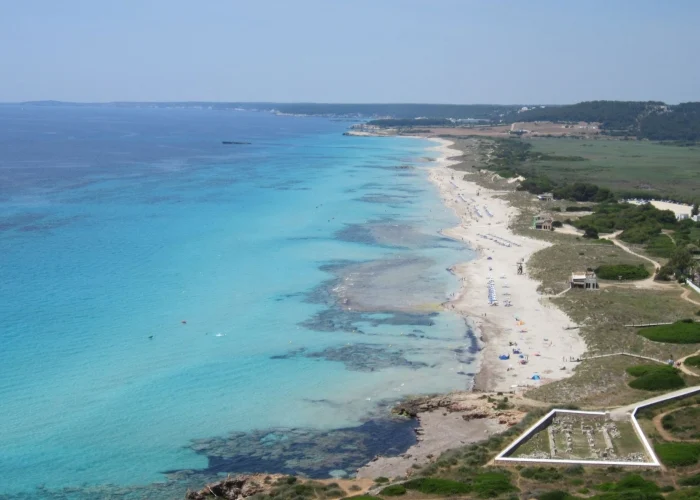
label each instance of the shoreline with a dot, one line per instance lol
(531, 323)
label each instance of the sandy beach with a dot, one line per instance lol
(504, 307)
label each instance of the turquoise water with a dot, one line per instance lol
(306, 266)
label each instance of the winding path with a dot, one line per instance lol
(667, 436)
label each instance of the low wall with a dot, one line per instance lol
(692, 285)
(502, 457)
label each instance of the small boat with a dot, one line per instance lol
(234, 142)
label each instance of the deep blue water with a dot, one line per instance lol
(306, 265)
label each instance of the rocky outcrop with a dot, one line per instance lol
(235, 488)
(471, 405)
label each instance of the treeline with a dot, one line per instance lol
(652, 120)
(680, 123)
(490, 112)
(613, 115)
(412, 122)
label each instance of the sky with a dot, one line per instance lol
(430, 51)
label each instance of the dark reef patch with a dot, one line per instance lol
(304, 451)
(338, 319)
(358, 357)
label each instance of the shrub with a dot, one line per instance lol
(692, 361)
(381, 480)
(686, 494)
(543, 474)
(555, 495)
(363, 497)
(678, 454)
(679, 332)
(626, 271)
(557, 223)
(491, 484)
(574, 469)
(636, 482)
(690, 480)
(655, 377)
(435, 486)
(591, 233)
(394, 490)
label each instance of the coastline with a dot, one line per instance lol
(531, 323)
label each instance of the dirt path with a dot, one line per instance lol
(667, 436)
(686, 296)
(684, 368)
(645, 283)
(649, 282)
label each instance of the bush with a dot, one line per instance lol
(394, 490)
(636, 482)
(678, 454)
(690, 480)
(435, 486)
(381, 480)
(557, 223)
(687, 494)
(576, 470)
(542, 474)
(492, 484)
(626, 271)
(655, 377)
(680, 332)
(692, 361)
(591, 233)
(555, 495)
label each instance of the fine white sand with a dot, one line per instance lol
(532, 321)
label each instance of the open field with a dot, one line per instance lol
(553, 266)
(584, 437)
(622, 165)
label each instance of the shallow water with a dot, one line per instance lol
(306, 265)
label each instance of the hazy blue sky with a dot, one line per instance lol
(451, 51)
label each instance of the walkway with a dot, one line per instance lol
(624, 354)
(623, 410)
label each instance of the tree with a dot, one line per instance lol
(681, 261)
(591, 233)
(695, 210)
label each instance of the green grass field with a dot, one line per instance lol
(623, 165)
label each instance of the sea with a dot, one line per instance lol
(173, 308)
